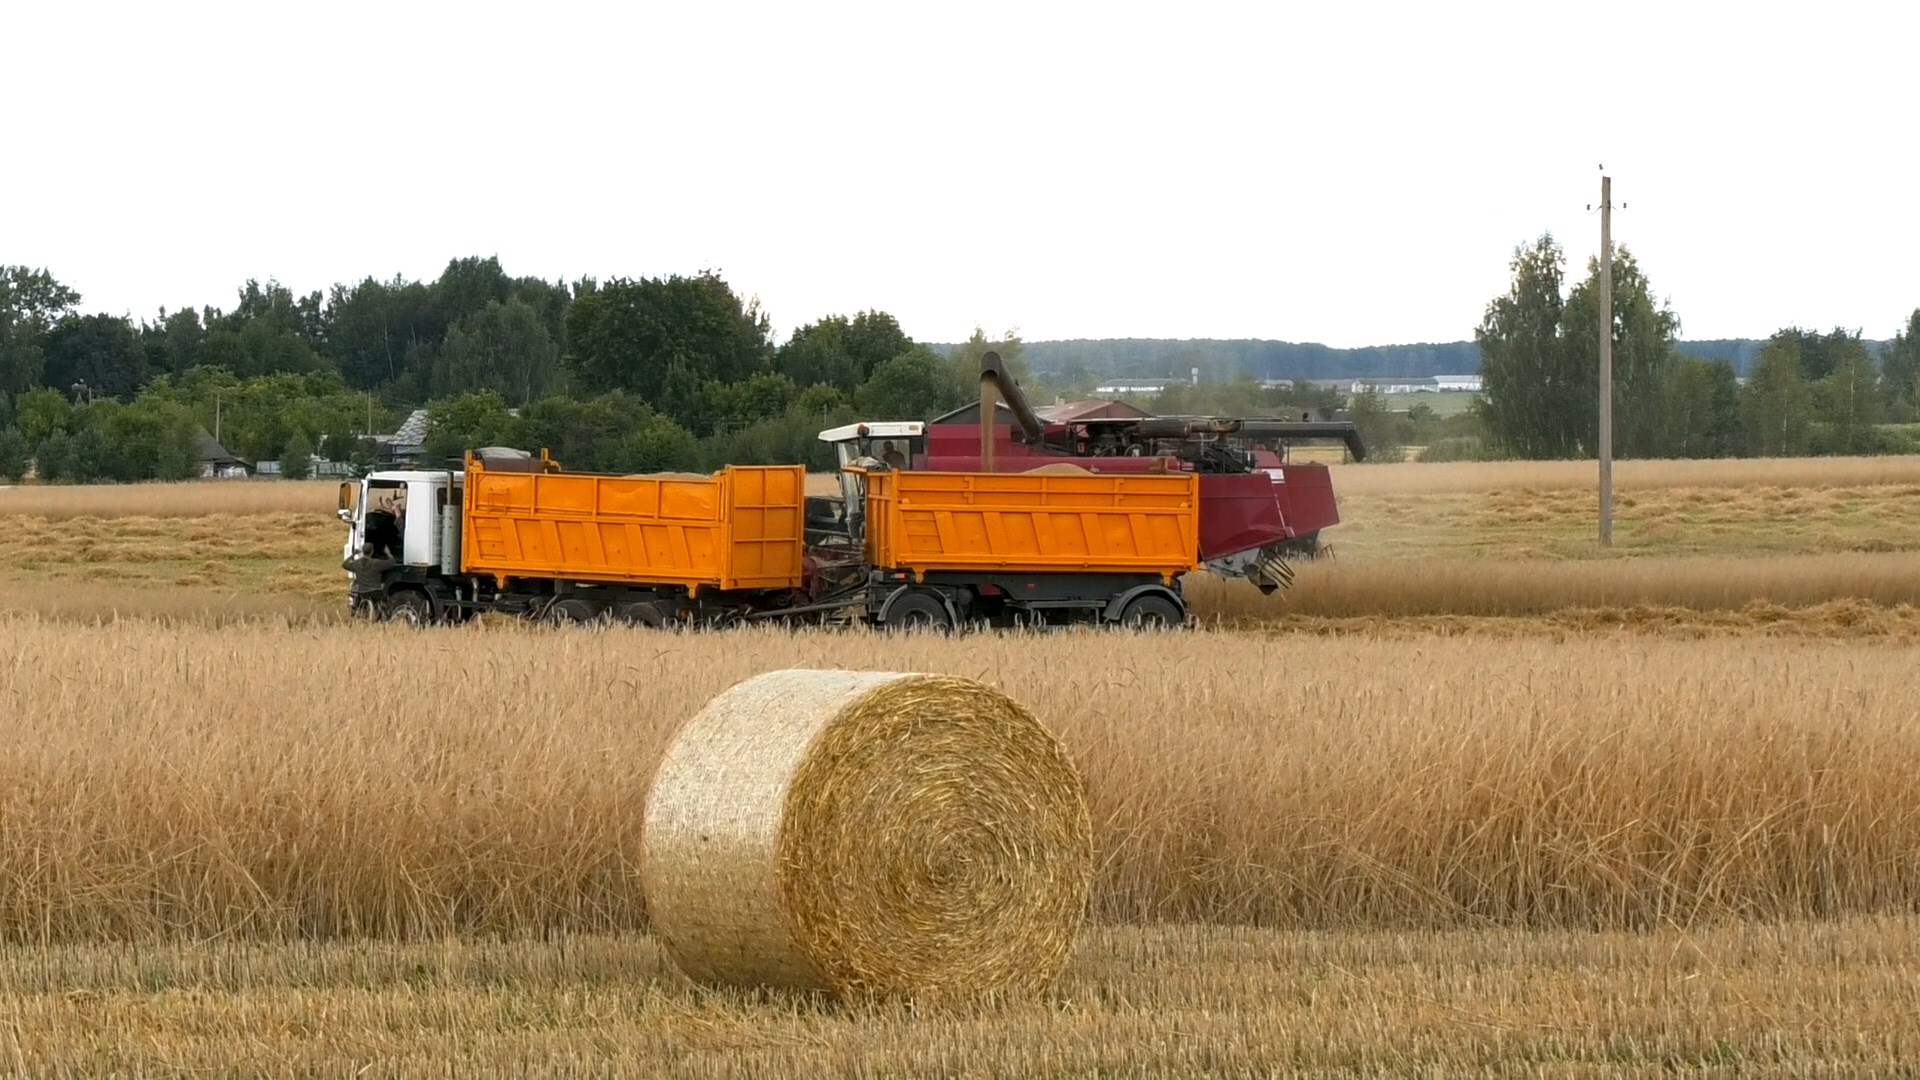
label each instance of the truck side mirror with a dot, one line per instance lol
(349, 501)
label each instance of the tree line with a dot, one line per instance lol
(1806, 392)
(669, 372)
(680, 372)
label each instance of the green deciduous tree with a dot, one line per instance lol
(504, 346)
(581, 434)
(1535, 404)
(666, 340)
(154, 438)
(296, 461)
(1540, 358)
(916, 385)
(1698, 410)
(89, 455)
(31, 302)
(1378, 427)
(15, 454)
(40, 414)
(658, 445)
(1848, 401)
(456, 425)
(50, 458)
(1776, 406)
(371, 325)
(789, 439)
(1644, 330)
(1900, 366)
(100, 352)
(841, 352)
(173, 342)
(1819, 353)
(1013, 353)
(729, 406)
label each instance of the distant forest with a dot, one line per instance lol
(1222, 359)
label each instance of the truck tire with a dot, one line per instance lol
(410, 607)
(641, 613)
(573, 611)
(1152, 612)
(917, 611)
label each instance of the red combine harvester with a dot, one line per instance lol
(1257, 510)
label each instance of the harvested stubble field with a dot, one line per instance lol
(1629, 476)
(1509, 539)
(298, 847)
(1178, 1001)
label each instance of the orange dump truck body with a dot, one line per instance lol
(741, 528)
(1108, 523)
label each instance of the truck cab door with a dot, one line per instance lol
(353, 499)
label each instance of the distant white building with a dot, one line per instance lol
(1124, 387)
(1435, 385)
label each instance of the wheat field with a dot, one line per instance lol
(347, 781)
(302, 849)
(1469, 798)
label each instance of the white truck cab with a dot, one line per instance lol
(418, 502)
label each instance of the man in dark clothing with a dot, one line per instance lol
(383, 533)
(369, 579)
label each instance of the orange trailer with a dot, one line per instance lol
(1087, 523)
(738, 529)
(514, 534)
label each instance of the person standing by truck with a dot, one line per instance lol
(369, 572)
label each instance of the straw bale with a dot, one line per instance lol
(867, 833)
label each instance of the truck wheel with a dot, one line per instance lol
(641, 613)
(574, 610)
(1152, 612)
(918, 611)
(410, 607)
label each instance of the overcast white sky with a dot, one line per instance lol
(1347, 173)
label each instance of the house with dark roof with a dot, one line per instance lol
(215, 460)
(404, 448)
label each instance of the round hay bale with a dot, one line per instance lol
(867, 833)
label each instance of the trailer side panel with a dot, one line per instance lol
(1086, 523)
(740, 528)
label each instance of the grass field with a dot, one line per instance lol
(1471, 798)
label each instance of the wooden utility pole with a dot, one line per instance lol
(1606, 361)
